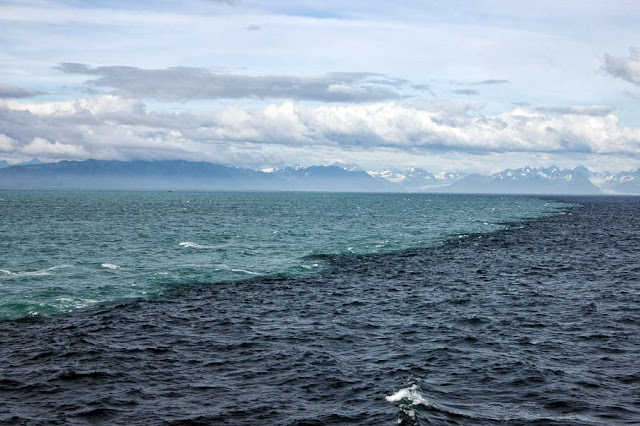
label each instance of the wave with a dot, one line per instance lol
(246, 272)
(110, 266)
(285, 247)
(410, 395)
(312, 266)
(37, 273)
(410, 399)
(190, 244)
(406, 399)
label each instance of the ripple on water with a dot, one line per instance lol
(418, 336)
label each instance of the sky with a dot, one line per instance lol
(472, 86)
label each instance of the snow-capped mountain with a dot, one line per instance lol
(325, 178)
(97, 174)
(528, 180)
(623, 182)
(553, 173)
(415, 179)
(350, 167)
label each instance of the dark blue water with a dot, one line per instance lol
(534, 324)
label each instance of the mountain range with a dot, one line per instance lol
(527, 180)
(180, 175)
(524, 180)
(185, 175)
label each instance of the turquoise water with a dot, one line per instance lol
(63, 250)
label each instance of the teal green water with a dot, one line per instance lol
(62, 251)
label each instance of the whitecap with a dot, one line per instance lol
(38, 273)
(53, 268)
(110, 266)
(312, 266)
(244, 271)
(190, 244)
(409, 396)
(84, 303)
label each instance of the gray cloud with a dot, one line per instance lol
(421, 87)
(490, 82)
(625, 68)
(468, 92)
(17, 92)
(184, 83)
(593, 111)
(388, 81)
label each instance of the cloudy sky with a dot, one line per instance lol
(455, 85)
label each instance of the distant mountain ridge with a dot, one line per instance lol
(527, 180)
(180, 175)
(187, 175)
(326, 178)
(5, 163)
(623, 182)
(415, 179)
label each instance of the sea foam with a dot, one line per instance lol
(110, 266)
(244, 271)
(38, 273)
(190, 244)
(407, 398)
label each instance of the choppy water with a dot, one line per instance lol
(61, 251)
(534, 324)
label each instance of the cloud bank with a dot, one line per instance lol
(112, 127)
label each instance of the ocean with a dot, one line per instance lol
(318, 308)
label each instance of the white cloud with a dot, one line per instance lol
(111, 127)
(7, 144)
(98, 106)
(40, 147)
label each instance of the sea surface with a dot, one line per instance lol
(305, 308)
